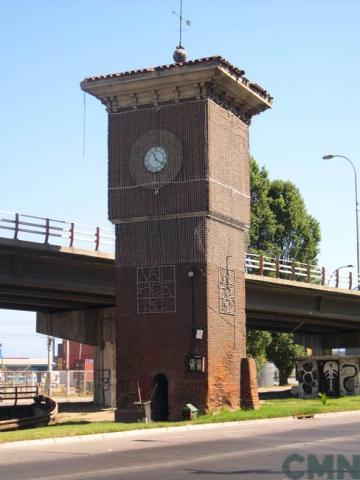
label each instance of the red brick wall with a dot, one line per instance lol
(225, 240)
(228, 165)
(215, 148)
(249, 388)
(151, 344)
(187, 121)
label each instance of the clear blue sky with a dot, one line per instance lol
(306, 53)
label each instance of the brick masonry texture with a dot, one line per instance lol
(228, 164)
(161, 242)
(249, 388)
(189, 194)
(160, 343)
(211, 192)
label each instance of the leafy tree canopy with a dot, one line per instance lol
(282, 351)
(280, 223)
(280, 227)
(257, 343)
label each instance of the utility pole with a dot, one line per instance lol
(67, 368)
(50, 364)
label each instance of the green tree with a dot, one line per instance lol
(282, 351)
(257, 343)
(297, 234)
(263, 221)
(280, 227)
(280, 224)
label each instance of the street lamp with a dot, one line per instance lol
(329, 157)
(337, 270)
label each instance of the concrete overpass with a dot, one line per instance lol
(73, 292)
(53, 279)
(49, 278)
(278, 304)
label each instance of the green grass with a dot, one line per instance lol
(268, 409)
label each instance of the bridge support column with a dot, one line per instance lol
(93, 327)
(105, 364)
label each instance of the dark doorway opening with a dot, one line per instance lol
(160, 407)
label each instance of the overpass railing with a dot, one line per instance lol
(56, 232)
(60, 232)
(297, 271)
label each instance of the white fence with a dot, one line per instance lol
(301, 272)
(56, 232)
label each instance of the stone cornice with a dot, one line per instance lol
(208, 78)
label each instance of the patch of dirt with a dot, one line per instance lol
(106, 415)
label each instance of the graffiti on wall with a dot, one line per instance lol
(349, 377)
(308, 378)
(333, 376)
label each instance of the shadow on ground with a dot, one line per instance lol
(83, 406)
(272, 395)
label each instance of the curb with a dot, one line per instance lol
(152, 431)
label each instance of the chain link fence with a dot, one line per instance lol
(58, 383)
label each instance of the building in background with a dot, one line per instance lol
(21, 364)
(75, 356)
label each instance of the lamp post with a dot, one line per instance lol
(329, 157)
(337, 270)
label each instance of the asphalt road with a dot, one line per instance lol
(244, 451)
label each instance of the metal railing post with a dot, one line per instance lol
(277, 267)
(293, 270)
(261, 265)
(16, 233)
(72, 234)
(97, 239)
(47, 230)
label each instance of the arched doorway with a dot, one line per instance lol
(160, 407)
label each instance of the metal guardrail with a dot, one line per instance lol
(60, 232)
(29, 227)
(18, 393)
(297, 271)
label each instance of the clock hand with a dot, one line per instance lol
(155, 157)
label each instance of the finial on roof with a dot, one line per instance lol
(180, 54)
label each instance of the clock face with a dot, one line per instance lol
(155, 159)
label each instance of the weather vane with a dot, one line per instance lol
(180, 53)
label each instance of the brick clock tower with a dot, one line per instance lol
(180, 199)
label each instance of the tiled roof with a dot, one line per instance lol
(220, 60)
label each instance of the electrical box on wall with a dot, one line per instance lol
(196, 363)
